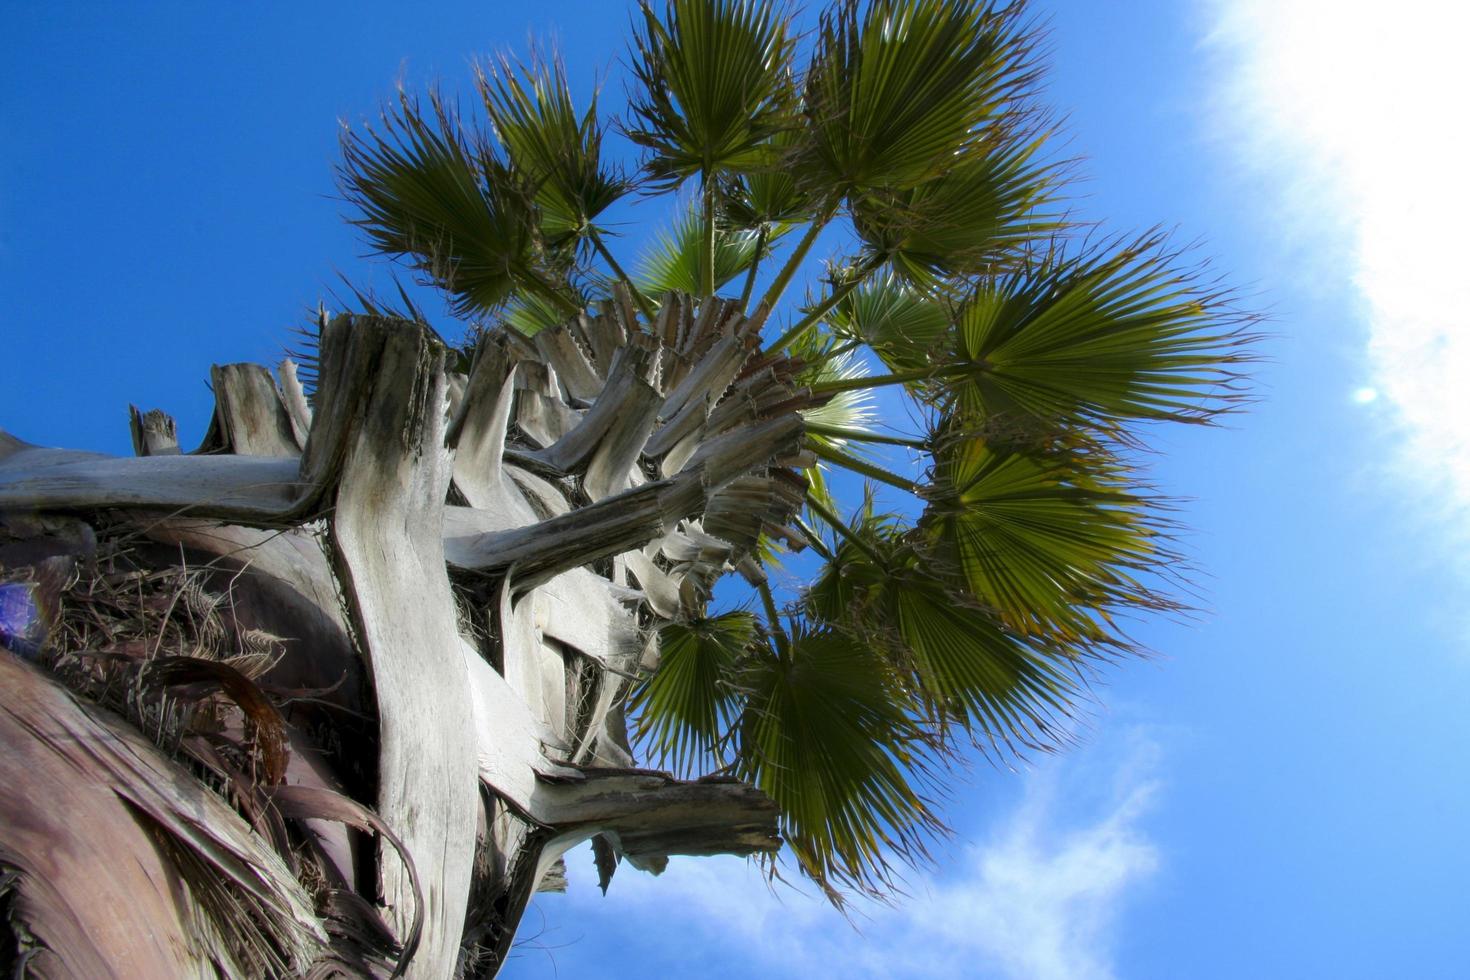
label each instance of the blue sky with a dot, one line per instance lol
(1281, 793)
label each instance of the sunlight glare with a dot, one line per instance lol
(1364, 104)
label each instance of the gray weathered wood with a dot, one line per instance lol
(250, 412)
(387, 531)
(293, 396)
(344, 544)
(612, 463)
(154, 432)
(627, 375)
(570, 362)
(606, 528)
(245, 488)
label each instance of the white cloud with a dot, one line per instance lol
(1358, 110)
(1040, 896)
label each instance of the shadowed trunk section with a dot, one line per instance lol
(125, 865)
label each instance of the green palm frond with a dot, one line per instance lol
(897, 89)
(818, 488)
(556, 152)
(850, 587)
(827, 733)
(430, 192)
(963, 663)
(529, 314)
(977, 215)
(904, 326)
(770, 194)
(999, 687)
(672, 263)
(851, 410)
(1099, 341)
(685, 707)
(1057, 540)
(1118, 335)
(715, 83)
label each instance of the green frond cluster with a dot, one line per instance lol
(558, 153)
(427, 190)
(672, 264)
(899, 90)
(1032, 364)
(714, 86)
(687, 706)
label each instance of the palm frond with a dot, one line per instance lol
(529, 314)
(827, 733)
(428, 191)
(853, 410)
(898, 89)
(770, 194)
(904, 326)
(1119, 335)
(963, 664)
(671, 264)
(687, 704)
(714, 84)
(1058, 540)
(558, 153)
(978, 215)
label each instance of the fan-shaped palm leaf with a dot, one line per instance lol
(853, 410)
(964, 665)
(672, 263)
(828, 735)
(1054, 540)
(978, 214)
(1119, 335)
(530, 313)
(429, 192)
(714, 84)
(770, 194)
(902, 325)
(558, 154)
(897, 90)
(1098, 341)
(685, 707)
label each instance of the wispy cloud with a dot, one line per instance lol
(1039, 895)
(1357, 109)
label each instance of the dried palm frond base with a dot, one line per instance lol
(162, 646)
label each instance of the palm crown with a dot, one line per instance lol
(1033, 358)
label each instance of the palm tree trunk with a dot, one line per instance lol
(445, 574)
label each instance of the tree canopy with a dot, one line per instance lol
(1008, 533)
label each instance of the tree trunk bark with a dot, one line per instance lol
(394, 613)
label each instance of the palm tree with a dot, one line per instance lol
(334, 693)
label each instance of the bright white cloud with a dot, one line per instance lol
(1039, 897)
(1358, 108)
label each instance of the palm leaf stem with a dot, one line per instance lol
(840, 526)
(833, 298)
(839, 458)
(814, 539)
(546, 290)
(783, 278)
(644, 306)
(835, 352)
(861, 435)
(707, 242)
(896, 378)
(755, 263)
(773, 617)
